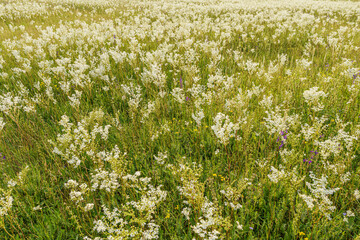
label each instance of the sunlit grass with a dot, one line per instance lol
(197, 120)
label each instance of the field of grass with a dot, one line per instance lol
(194, 119)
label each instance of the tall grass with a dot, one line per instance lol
(179, 120)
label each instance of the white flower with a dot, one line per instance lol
(357, 194)
(37, 208)
(276, 175)
(238, 226)
(2, 123)
(186, 211)
(198, 117)
(88, 207)
(313, 96)
(224, 129)
(12, 183)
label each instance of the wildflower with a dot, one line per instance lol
(357, 194)
(37, 208)
(88, 207)
(238, 226)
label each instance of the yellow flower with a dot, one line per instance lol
(301, 233)
(214, 174)
(332, 120)
(306, 239)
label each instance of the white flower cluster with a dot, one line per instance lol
(319, 195)
(276, 175)
(198, 117)
(103, 179)
(160, 158)
(224, 129)
(206, 227)
(275, 122)
(6, 198)
(75, 141)
(5, 204)
(115, 225)
(2, 124)
(313, 97)
(336, 144)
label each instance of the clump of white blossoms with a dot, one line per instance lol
(313, 98)
(319, 195)
(207, 227)
(2, 124)
(232, 195)
(224, 129)
(6, 198)
(198, 117)
(276, 122)
(77, 140)
(276, 174)
(141, 225)
(357, 194)
(160, 158)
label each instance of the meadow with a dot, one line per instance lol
(168, 119)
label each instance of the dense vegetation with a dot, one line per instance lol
(195, 119)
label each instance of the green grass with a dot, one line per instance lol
(203, 173)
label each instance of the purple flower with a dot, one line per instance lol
(316, 153)
(305, 160)
(282, 133)
(310, 161)
(285, 137)
(344, 213)
(251, 228)
(181, 82)
(4, 157)
(187, 98)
